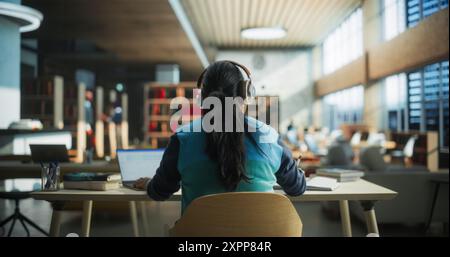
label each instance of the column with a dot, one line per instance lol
(14, 19)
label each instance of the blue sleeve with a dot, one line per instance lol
(167, 178)
(289, 177)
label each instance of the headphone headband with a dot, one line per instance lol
(247, 72)
(246, 88)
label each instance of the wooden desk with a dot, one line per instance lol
(388, 145)
(363, 191)
(15, 169)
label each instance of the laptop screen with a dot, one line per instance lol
(135, 164)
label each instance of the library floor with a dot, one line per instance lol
(117, 223)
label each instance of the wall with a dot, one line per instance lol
(424, 44)
(373, 89)
(286, 74)
(316, 74)
(352, 74)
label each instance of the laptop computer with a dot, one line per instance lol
(41, 153)
(138, 163)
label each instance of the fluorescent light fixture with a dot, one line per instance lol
(29, 18)
(263, 33)
(187, 27)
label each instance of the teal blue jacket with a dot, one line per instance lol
(185, 164)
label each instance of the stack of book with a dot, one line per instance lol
(341, 175)
(91, 181)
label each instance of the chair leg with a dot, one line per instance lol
(12, 225)
(34, 225)
(6, 220)
(24, 226)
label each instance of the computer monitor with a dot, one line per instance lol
(49, 153)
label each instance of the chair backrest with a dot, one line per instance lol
(372, 159)
(240, 214)
(408, 151)
(339, 154)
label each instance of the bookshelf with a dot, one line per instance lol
(117, 134)
(42, 99)
(70, 106)
(157, 113)
(58, 104)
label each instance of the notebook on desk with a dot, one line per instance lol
(318, 183)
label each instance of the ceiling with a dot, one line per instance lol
(144, 31)
(218, 23)
(147, 31)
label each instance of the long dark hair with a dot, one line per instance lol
(223, 79)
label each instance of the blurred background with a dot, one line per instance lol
(358, 84)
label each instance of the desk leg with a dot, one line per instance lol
(345, 218)
(86, 221)
(134, 218)
(433, 204)
(55, 224)
(144, 217)
(371, 219)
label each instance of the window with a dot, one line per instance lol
(344, 44)
(428, 100)
(415, 100)
(395, 95)
(345, 106)
(393, 18)
(419, 9)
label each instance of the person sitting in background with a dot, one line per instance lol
(372, 159)
(291, 126)
(340, 153)
(291, 135)
(295, 138)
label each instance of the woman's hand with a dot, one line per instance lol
(141, 183)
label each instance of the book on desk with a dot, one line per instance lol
(342, 175)
(91, 181)
(319, 183)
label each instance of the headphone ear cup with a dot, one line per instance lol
(252, 95)
(251, 90)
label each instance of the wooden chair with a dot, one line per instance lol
(407, 152)
(240, 214)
